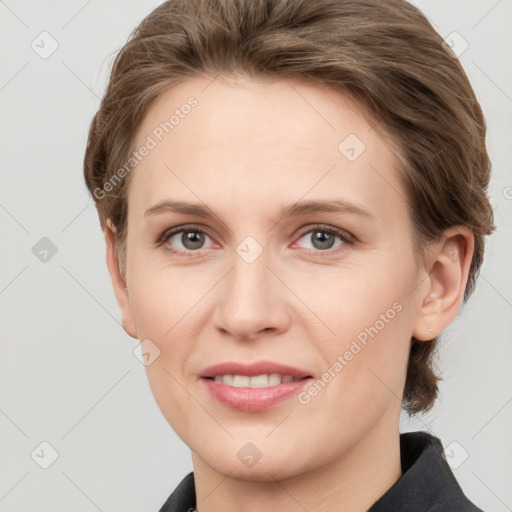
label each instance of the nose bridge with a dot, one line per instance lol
(250, 299)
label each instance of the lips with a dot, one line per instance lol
(231, 384)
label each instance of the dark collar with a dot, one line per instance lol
(427, 483)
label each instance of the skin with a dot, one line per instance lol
(249, 148)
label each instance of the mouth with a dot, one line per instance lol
(253, 387)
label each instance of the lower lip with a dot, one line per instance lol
(253, 399)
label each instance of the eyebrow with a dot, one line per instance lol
(293, 210)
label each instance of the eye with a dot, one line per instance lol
(323, 238)
(183, 240)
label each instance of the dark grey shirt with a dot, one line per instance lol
(427, 483)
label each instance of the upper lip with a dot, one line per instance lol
(252, 369)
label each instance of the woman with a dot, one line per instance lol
(293, 197)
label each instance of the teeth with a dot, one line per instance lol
(257, 381)
(274, 379)
(241, 381)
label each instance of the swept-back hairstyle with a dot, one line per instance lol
(382, 53)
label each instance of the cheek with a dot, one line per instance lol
(164, 315)
(167, 309)
(162, 297)
(371, 315)
(365, 369)
(359, 302)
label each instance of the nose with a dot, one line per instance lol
(252, 301)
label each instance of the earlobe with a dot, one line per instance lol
(119, 284)
(448, 267)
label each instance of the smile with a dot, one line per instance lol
(256, 381)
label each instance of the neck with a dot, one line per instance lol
(351, 482)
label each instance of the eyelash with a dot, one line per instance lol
(346, 238)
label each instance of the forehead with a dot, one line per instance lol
(244, 112)
(230, 140)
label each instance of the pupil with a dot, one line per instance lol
(323, 239)
(192, 239)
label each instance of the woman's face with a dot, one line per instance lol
(331, 292)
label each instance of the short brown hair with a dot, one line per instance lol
(383, 53)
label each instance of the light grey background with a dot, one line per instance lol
(68, 375)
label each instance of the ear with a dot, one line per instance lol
(119, 284)
(448, 264)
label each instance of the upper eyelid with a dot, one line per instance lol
(325, 227)
(186, 227)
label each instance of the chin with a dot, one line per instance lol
(268, 471)
(247, 463)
